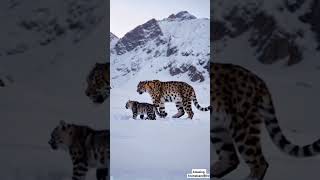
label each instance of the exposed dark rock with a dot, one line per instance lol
(19, 49)
(160, 41)
(312, 17)
(238, 22)
(157, 54)
(13, 4)
(218, 30)
(171, 51)
(192, 71)
(138, 36)
(270, 42)
(293, 6)
(183, 15)
(278, 49)
(46, 25)
(113, 37)
(207, 67)
(194, 74)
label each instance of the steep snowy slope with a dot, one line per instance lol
(276, 30)
(256, 33)
(27, 25)
(178, 44)
(113, 41)
(45, 83)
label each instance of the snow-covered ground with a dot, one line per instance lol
(163, 149)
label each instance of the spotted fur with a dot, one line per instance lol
(98, 83)
(88, 148)
(171, 91)
(142, 109)
(241, 102)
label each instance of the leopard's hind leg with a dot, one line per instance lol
(180, 112)
(187, 107)
(223, 144)
(248, 143)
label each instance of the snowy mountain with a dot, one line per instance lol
(113, 41)
(277, 40)
(35, 23)
(286, 30)
(178, 44)
(180, 16)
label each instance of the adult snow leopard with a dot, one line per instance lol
(171, 91)
(241, 102)
(98, 83)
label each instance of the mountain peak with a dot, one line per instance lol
(182, 15)
(138, 36)
(113, 36)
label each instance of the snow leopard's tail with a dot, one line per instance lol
(267, 111)
(196, 104)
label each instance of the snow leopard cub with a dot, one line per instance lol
(141, 109)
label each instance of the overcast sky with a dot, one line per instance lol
(127, 14)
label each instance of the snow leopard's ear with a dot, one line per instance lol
(62, 123)
(156, 83)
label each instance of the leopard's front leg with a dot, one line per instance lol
(134, 112)
(80, 164)
(159, 103)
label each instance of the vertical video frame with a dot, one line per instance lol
(265, 89)
(54, 90)
(160, 89)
